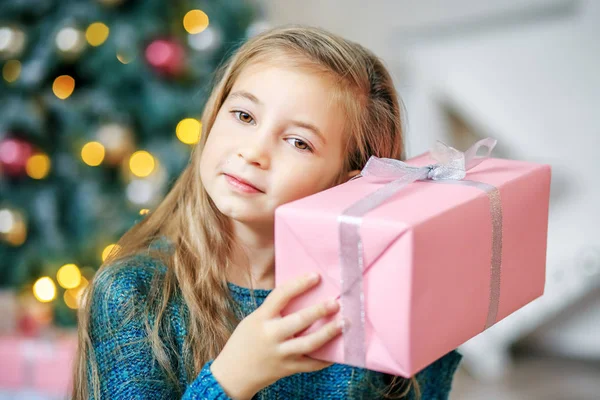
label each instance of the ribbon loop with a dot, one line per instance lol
(452, 164)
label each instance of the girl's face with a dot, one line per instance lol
(278, 131)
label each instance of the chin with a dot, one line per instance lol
(242, 214)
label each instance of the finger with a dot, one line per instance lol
(281, 296)
(313, 341)
(307, 364)
(294, 323)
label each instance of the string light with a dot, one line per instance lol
(7, 220)
(70, 41)
(63, 86)
(144, 211)
(195, 21)
(141, 163)
(188, 130)
(70, 300)
(92, 153)
(97, 33)
(11, 70)
(13, 227)
(38, 166)
(68, 276)
(44, 289)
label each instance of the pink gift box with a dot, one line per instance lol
(43, 365)
(427, 253)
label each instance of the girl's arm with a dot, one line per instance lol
(126, 366)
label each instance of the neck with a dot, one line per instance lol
(254, 253)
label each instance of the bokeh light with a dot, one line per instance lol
(188, 130)
(96, 33)
(140, 191)
(38, 166)
(63, 86)
(72, 297)
(70, 40)
(11, 70)
(195, 21)
(13, 227)
(92, 153)
(141, 163)
(68, 276)
(70, 300)
(44, 289)
(7, 220)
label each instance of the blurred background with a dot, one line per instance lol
(100, 104)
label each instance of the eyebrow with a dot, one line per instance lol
(242, 94)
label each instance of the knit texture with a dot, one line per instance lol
(127, 368)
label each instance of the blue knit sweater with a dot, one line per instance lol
(127, 368)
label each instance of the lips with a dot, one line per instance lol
(245, 181)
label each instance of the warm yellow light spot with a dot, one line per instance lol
(13, 228)
(144, 211)
(44, 289)
(70, 300)
(68, 276)
(92, 153)
(188, 130)
(63, 86)
(11, 70)
(96, 33)
(38, 166)
(72, 297)
(141, 163)
(108, 249)
(195, 21)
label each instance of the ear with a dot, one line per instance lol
(353, 173)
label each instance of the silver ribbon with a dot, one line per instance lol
(451, 168)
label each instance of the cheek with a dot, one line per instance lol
(299, 184)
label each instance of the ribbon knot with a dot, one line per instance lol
(452, 164)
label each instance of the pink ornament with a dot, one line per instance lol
(166, 56)
(14, 154)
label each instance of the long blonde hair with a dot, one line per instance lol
(202, 236)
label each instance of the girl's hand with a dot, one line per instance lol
(262, 349)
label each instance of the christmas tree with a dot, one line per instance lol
(100, 104)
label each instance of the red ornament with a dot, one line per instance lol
(166, 56)
(14, 154)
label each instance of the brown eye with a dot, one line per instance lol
(303, 145)
(245, 117)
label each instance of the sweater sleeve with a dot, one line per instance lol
(436, 380)
(205, 387)
(126, 366)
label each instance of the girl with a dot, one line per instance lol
(185, 308)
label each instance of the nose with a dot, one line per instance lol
(256, 150)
